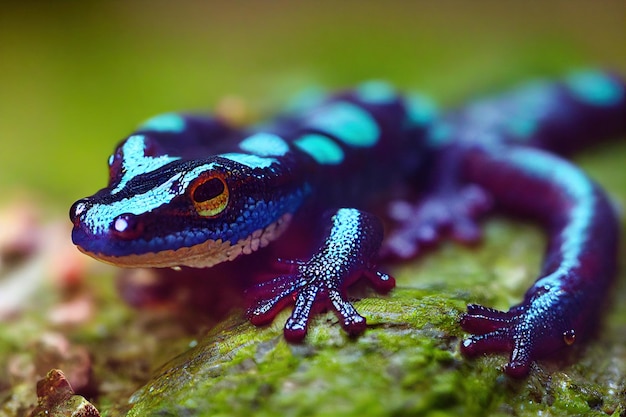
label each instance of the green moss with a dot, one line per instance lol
(409, 364)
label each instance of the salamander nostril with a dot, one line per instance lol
(127, 226)
(78, 208)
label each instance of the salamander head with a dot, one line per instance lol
(162, 211)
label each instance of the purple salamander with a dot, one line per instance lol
(194, 191)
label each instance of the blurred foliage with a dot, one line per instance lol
(76, 77)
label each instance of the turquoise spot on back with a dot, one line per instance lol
(522, 128)
(264, 144)
(595, 87)
(347, 122)
(421, 110)
(376, 92)
(251, 161)
(167, 122)
(321, 148)
(440, 134)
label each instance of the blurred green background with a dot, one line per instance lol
(75, 77)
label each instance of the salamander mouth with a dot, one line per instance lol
(202, 255)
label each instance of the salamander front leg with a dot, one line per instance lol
(320, 282)
(451, 212)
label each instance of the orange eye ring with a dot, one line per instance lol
(209, 195)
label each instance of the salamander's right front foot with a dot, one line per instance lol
(312, 288)
(321, 282)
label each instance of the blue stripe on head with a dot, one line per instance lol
(135, 162)
(101, 215)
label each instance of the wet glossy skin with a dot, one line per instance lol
(192, 191)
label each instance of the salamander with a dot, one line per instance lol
(195, 191)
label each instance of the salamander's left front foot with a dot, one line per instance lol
(320, 282)
(543, 324)
(454, 212)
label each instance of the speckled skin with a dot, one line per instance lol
(580, 262)
(503, 148)
(193, 191)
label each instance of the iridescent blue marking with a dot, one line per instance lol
(321, 148)
(595, 87)
(166, 122)
(534, 96)
(100, 216)
(264, 144)
(347, 122)
(522, 128)
(135, 162)
(251, 161)
(421, 110)
(256, 214)
(519, 112)
(346, 224)
(580, 190)
(440, 134)
(528, 106)
(376, 92)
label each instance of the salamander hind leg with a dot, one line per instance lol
(321, 281)
(540, 326)
(563, 305)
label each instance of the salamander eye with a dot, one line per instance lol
(209, 196)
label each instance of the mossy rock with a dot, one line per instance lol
(407, 362)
